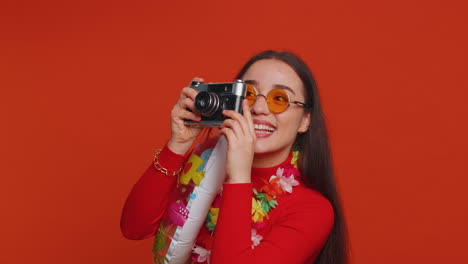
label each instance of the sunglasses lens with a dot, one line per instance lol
(278, 100)
(251, 94)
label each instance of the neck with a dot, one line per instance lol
(266, 160)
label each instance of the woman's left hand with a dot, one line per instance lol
(240, 134)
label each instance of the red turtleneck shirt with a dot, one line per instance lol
(295, 232)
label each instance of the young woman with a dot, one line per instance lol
(279, 202)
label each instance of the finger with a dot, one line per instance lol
(248, 115)
(235, 127)
(188, 92)
(198, 79)
(239, 118)
(184, 114)
(227, 132)
(179, 114)
(187, 103)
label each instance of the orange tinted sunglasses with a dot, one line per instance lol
(277, 99)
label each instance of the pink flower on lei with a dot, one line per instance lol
(286, 183)
(203, 254)
(255, 238)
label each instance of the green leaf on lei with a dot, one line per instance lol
(273, 203)
(159, 240)
(265, 205)
(258, 195)
(255, 191)
(208, 222)
(210, 226)
(158, 245)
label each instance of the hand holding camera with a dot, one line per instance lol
(203, 105)
(240, 133)
(182, 136)
(223, 105)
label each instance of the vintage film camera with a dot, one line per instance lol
(213, 98)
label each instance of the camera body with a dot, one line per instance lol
(213, 98)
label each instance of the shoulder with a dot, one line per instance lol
(311, 197)
(305, 218)
(309, 207)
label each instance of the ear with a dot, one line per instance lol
(305, 122)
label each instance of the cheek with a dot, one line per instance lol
(289, 124)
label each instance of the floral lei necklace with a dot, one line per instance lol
(264, 200)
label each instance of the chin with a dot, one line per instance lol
(267, 148)
(263, 146)
(270, 146)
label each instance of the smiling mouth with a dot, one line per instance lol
(263, 129)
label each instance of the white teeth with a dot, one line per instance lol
(263, 127)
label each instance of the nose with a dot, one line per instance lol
(260, 107)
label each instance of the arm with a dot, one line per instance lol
(149, 197)
(147, 202)
(300, 230)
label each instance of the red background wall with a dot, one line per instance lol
(87, 87)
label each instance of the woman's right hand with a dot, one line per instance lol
(182, 137)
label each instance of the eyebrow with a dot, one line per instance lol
(280, 86)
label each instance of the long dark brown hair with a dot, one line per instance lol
(315, 162)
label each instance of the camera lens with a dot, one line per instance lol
(207, 103)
